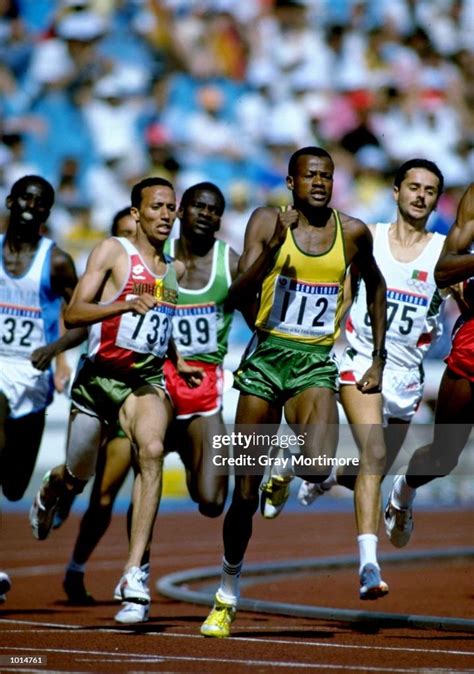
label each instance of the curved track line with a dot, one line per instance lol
(169, 586)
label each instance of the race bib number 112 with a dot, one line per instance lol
(304, 309)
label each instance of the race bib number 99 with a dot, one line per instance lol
(304, 309)
(147, 333)
(195, 329)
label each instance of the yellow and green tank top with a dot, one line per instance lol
(301, 298)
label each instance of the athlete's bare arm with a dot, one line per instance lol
(359, 250)
(265, 233)
(105, 273)
(456, 263)
(351, 284)
(249, 309)
(63, 273)
(63, 281)
(41, 357)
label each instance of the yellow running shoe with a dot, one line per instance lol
(219, 620)
(274, 495)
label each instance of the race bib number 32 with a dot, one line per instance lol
(303, 309)
(21, 330)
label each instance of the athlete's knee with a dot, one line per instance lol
(372, 466)
(105, 501)
(211, 509)
(445, 465)
(151, 451)
(13, 492)
(211, 506)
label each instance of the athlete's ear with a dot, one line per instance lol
(290, 183)
(134, 212)
(396, 193)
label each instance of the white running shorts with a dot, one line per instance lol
(26, 388)
(402, 390)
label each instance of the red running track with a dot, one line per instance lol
(37, 622)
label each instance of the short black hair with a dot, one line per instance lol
(311, 150)
(136, 196)
(116, 219)
(203, 187)
(21, 184)
(419, 163)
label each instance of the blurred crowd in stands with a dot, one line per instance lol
(96, 94)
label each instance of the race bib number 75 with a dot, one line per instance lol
(406, 314)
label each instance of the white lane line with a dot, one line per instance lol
(162, 551)
(144, 659)
(56, 569)
(286, 642)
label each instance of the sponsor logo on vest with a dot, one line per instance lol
(137, 272)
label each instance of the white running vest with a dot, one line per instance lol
(29, 309)
(413, 304)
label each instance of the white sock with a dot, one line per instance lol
(367, 550)
(230, 580)
(402, 494)
(74, 566)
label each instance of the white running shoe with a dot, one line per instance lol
(371, 584)
(134, 585)
(42, 516)
(118, 591)
(132, 613)
(309, 492)
(398, 521)
(5, 585)
(398, 524)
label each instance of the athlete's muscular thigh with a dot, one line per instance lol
(145, 417)
(203, 435)
(314, 412)
(261, 416)
(455, 400)
(454, 417)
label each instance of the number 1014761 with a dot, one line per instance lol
(23, 660)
